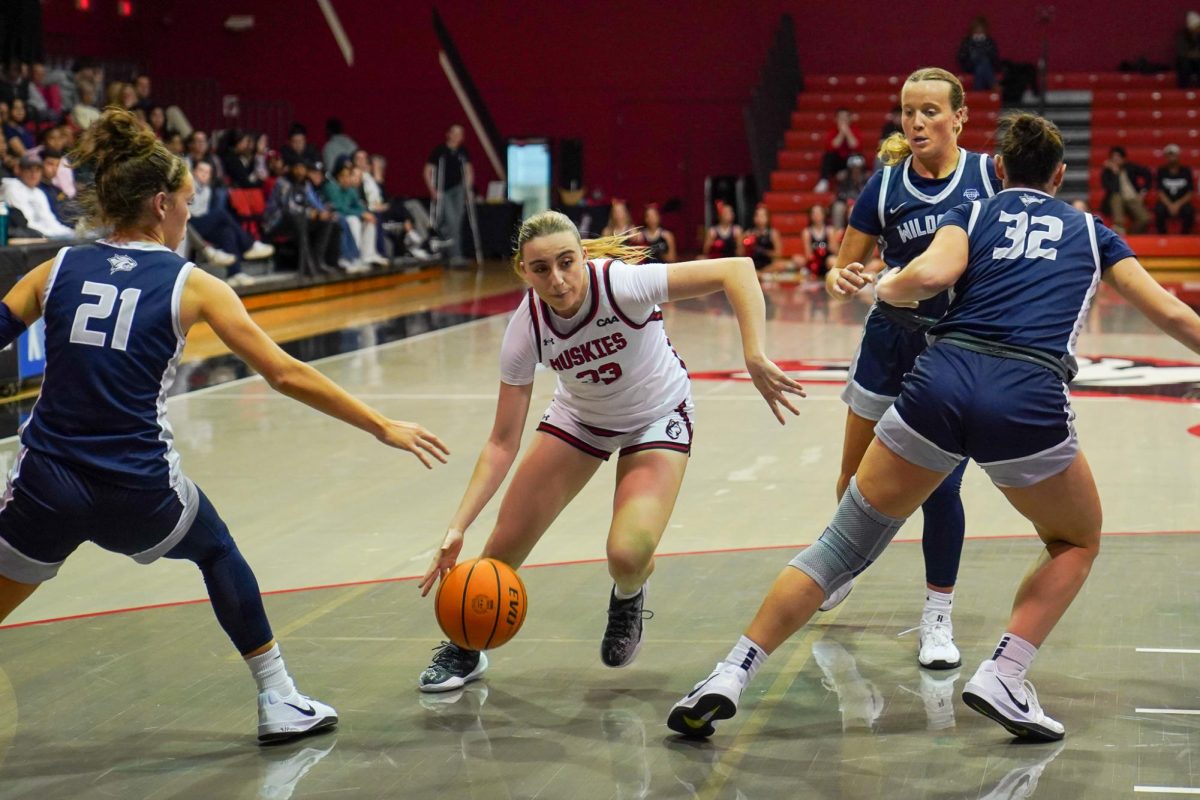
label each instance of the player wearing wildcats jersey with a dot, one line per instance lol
(96, 460)
(992, 387)
(595, 321)
(927, 174)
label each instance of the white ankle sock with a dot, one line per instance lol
(270, 673)
(1013, 656)
(748, 656)
(939, 605)
(623, 596)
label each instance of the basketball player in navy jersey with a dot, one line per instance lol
(97, 461)
(926, 175)
(594, 320)
(1024, 267)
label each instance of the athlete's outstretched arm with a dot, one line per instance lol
(1164, 309)
(738, 279)
(929, 274)
(493, 465)
(849, 275)
(25, 299)
(210, 300)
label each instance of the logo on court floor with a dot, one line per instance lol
(1099, 376)
(121, 263)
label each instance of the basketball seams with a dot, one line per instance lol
(463, 605)
(496, 609)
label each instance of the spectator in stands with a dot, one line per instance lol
(848, 190)
(1079, 204)
(449, 177)
(276, 169)
(49, 93)
(295, 213)
(1175, 184)
(12, 84)
(156, 118)
(237, 157)
(725, 238)
(891, 123)
(84, 111)
(843, 142)
(371, 190)
(120, 94)
(61, 139)
(337, 144)
(58, 200)
(1125, 186)
(298, 148)
(820, 242)
(1187, 52)
(16, 129)
(619, 218)
(342, 196)
(213, 221)
(197, 150)
(141, 88)
(659, 240)
(23, 194)
(762, 242)
(978, 55)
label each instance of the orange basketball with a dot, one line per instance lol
(481, 603)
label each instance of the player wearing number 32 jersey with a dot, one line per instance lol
(594, 320)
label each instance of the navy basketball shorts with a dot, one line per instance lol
(1012, 417)
(672, 431)
(885, 355)
(51, 507)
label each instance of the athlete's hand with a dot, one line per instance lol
(443, 560)
(844, 283)
(774, 385)
(415, 439)
(883, 290)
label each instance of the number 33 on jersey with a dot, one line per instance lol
(616, 367)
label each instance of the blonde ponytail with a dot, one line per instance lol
(894, 149)
(548, 223)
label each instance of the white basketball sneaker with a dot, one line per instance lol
(283, 718)
(835, 598)
(714, 698)
(1012, 703)
(936, 648)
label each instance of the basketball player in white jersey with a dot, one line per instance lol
(621, 389)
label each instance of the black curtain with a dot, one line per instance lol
(21, 31)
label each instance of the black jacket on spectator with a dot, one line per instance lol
(239, 174)
(1139, 176)
(972, 51)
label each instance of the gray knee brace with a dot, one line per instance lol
(851, 543)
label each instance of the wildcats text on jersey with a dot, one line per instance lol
(589, 351)
(919, 226)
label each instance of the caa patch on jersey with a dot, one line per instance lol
(1099, 376)
(121, 263)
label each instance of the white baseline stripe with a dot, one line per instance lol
(1183, 651)
(1166, 790)
(1191, 712)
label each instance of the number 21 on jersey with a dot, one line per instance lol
(106, 299)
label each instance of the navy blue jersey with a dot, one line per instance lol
(903, 209)
(113, 342)
(1034, 264)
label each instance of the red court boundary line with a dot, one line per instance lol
(576, 562)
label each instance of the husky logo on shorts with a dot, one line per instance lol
(121, 263)
(674, 429)
(971, 194)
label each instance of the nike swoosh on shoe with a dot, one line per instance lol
(310, 711)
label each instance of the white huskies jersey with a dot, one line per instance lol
(616, 368)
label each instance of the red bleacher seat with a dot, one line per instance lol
(1154, 98)
(783, 180)
(799, 159)
(1110, 80)
(1155, 246)
(1130, 137)
(789, 222)
(796, 201)
(792, 245)
(1145, 117)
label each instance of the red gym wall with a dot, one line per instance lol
(655, 92)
